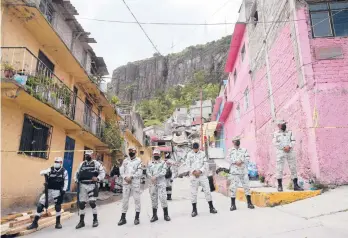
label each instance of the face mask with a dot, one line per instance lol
(56, 165)
(237, 143)
(88, 158)
(283, 127)
(156, 157)
(131, 154)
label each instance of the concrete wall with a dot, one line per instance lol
(20, 180)
(289, 82)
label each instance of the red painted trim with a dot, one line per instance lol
(216, 108)
(225, 112)
(236, 41)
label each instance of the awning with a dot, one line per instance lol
(225, 112)
(209, 128)
(236, 41)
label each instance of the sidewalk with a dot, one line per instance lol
(294, 220)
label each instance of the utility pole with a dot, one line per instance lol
(202, 137)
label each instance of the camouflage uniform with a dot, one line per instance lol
(131, 167)
(239, 173)
(198, 161)
(282, 139)
(158, 169)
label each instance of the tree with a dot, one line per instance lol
(112, 137)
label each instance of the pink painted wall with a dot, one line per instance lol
(321, 152)
(235, 93)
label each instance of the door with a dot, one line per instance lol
(44, 66)
(69, 157)
(88, 113)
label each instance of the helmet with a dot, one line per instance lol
(156, 152)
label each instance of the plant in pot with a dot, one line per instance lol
(8, 70)
(65, 96)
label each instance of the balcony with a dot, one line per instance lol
(21, 67)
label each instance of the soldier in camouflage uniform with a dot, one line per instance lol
(284, 142)
(239, 159)
(156, 171)
(197, 163)
(131, 171)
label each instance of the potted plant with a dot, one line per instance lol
(8, 70)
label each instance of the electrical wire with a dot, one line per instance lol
(154, 46)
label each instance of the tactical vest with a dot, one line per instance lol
(88, 171)
(56, 179)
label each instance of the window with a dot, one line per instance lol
(235, 77)
(47, 9)
(243, 52)
(329, 19)
(36, 136)
(255, 18)
(246, 99)
(44, 65)
(238, 113)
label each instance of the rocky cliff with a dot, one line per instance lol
(142, 79)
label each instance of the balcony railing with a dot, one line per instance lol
(21, 65)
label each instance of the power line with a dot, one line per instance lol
(154, 46)
(191, 23)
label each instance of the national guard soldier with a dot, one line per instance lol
(197, 163)
(156, 171)
(239, 159)
(87, 177)
(131, 171)
(284, 142)
(57, 185)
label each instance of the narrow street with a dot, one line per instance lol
(322, 216)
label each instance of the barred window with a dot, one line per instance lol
(329, 18)
(36, 138)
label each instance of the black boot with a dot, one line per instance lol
(154, 215)
(280, 185)
(136, 220)
(250, 205)
(122, 220)
(211, 207)
(58, 225)
(296, 187)
(34, 225)
(233, 204)
(194, 210)
(95, 220)
(169, 197)
(165, 212)
(81, 223)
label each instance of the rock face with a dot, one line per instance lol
(142, 79)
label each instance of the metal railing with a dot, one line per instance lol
(21, 65)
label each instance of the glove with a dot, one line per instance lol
(45, 171)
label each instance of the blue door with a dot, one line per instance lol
(69, 157)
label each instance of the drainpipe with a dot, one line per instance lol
(269, 79)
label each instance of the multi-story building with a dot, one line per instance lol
(51, 102)
(288, 60)
(206, 107)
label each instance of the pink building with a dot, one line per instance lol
(290, 61)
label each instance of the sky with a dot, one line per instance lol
(119, 44)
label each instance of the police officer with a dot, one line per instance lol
(156, 171)
(57, 186)
(169, 175)
(88, 175)
(131, 171)
(197, 163)
(239, 159)
(284, 142)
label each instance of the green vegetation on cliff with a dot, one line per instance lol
(158, 109)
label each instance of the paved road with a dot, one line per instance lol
(261, 222)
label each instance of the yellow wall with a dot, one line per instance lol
(20, 179)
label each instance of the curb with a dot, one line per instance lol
(264, 199)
